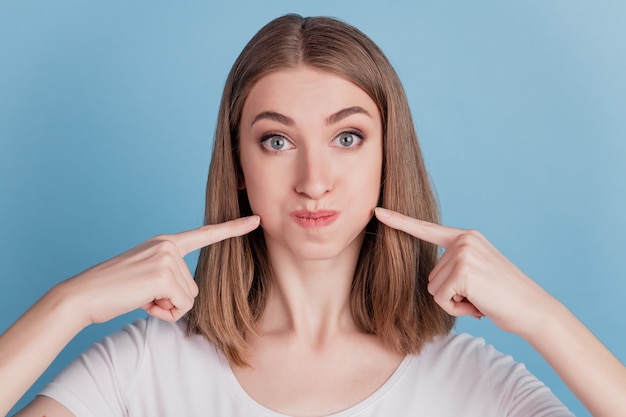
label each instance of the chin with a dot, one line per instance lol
(323, 251)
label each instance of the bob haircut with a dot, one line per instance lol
(389, 295)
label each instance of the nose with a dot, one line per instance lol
(315, 173)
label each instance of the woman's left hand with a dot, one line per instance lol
(474, 278)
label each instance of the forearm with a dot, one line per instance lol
(594, 375)
(29, 346)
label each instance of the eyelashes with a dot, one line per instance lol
(275, 142)
(349, 139)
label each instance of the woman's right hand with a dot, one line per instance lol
(152, 276)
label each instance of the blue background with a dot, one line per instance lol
(107, 112)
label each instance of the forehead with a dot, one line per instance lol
(305, 91)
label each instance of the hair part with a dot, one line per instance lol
(389, 295)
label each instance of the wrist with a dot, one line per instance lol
(66, 304)
(543, 320)
(548, 324)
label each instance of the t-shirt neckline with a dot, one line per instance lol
(242, 396)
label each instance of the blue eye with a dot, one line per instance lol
(276, 143)
(348, 139)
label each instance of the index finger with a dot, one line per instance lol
(430, 232)
(206, 235)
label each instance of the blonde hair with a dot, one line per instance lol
(389, 294)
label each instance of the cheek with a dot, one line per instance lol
(255, 195)
(370, 180)
(373, 190)
(263, 190)
(251, 175)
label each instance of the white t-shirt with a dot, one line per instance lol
(151, 368)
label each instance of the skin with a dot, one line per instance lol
(152, 276)
(473, 277)
(311, 141)
(311, 172)
(307, 313)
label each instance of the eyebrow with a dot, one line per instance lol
(272, 115)
(330, 120)
(342, 114)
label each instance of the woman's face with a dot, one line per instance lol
(311, 153)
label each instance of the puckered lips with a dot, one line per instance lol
(313, 219)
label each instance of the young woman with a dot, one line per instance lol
(334, 305)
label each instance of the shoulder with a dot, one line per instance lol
(149, 328)
(135, 354)
(480, 377)
(133, 339)
(462, 358)
(456, 341)
(131, 370)
(156, 337)
(457, 356)
(458, 346)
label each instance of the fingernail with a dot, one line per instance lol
(383, 213)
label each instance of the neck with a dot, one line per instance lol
(309, 299)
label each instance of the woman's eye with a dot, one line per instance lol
(348, 140)
(276, 143)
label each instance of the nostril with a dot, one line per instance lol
(314, 173)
